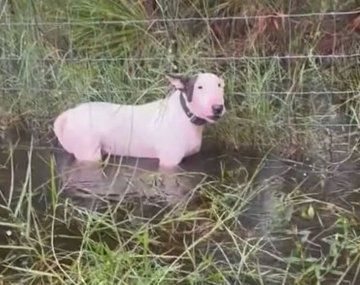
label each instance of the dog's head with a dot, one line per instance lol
(204, 94)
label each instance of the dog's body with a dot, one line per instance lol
(160, 129)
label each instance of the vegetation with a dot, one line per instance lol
(305, 110)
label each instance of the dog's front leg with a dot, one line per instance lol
(170, 170)
(169, 161)
(169, 180)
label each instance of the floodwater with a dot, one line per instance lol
(333, 181)
(118, 179)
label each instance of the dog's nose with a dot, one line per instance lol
(217, 109)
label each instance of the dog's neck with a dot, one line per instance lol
(193, 118)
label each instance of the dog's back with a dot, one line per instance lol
(116, 129)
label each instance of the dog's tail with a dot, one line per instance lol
(59, 126)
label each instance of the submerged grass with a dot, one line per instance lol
(290, 107)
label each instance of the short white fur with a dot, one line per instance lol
(158, 129)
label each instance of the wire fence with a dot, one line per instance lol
(352, 56)
(269, 93)
(4, 21)
(183, 20)
(202, 58)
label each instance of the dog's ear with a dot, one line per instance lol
(178, 81)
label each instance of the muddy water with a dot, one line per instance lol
(123, 178)
(335, 182)
(118, 178)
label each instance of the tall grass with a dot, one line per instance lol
(49, 77)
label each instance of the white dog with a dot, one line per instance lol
(168, 129)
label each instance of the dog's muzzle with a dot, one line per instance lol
(214, 118)
(217, 110)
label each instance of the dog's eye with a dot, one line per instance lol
(200, 87)
(219, 84)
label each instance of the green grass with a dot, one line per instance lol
(48, 78)
(284, 106)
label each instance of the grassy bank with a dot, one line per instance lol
(305, 109)
(47, 67)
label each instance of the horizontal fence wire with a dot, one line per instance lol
(190, 19)
(181, 20)
(199, 58)
(279, 93)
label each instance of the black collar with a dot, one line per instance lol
(193, 118)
